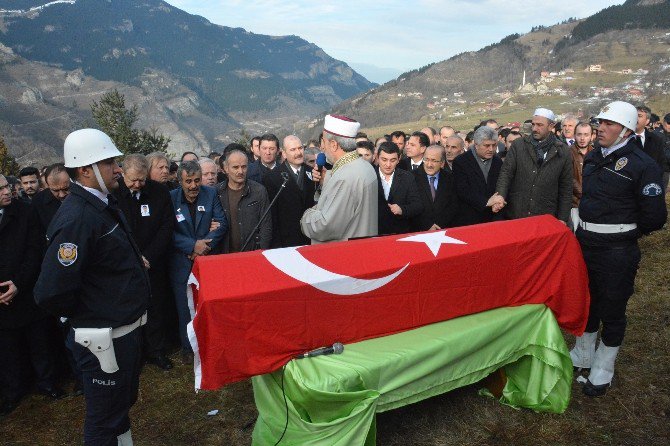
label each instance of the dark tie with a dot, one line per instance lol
(136, 195)
(414, 166)
(431, 181)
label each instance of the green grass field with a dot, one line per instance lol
(636, 410)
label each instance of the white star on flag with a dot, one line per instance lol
(433, 240)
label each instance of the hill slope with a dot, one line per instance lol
(633, 55)
(241, 78)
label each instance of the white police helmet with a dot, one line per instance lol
(620, 112)
(88, 146)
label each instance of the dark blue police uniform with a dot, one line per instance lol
(93, 274)
(624, 188)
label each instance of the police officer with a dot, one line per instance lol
(622, 200)
(94, 275)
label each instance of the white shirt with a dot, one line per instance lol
(96, 192)
(386, 185)
(412, 164)
(607, 150)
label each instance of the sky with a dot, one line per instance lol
(382, 39)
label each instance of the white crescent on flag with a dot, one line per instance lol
(293, 264)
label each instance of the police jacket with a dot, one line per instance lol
(252, 206)
(19, 262)
(92, 272)
(151, 220)
(622, 188)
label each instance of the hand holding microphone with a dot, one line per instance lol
(317, 172)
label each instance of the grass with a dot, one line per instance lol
(636, 410)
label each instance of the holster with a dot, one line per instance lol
(99, 342)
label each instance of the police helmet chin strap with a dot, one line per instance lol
(98, 177)
(620, 138)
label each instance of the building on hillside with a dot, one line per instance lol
(595, 68)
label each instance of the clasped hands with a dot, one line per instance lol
(496, 202)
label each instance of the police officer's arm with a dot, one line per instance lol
(265, 230)
(218, 215)
(60, 280)
(653, 212)
(162, 240)
(565, 189)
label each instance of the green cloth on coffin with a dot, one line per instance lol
(332, 400)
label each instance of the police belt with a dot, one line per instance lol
(99, 341)
(607, 229)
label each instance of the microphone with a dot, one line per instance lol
(337, 348)
(320, 160)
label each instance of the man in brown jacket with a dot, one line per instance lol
(581, 147)
(536, 177)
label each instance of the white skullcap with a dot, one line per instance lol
(545, 112)
(341, 126)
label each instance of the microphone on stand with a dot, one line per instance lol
(284, 176)
(336, 349)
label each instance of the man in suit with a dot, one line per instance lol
(196, 207)
(268, 148)
(23, 333)
(414, 149)
(297, 196)
(453, 146)
(568, 129)
(147, 206)
(436, 192)
(652, 143)
(475, 176)
(398, 196)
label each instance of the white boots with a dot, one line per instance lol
(125, 439)
(584, 351)
(602, 371)
(601, 362)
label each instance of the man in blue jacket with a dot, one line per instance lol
(197, 212)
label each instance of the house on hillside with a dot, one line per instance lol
(626, 71)
(544, 74)
(595, 68)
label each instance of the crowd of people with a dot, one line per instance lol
(90, 244)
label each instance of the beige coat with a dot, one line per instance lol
(347, 207)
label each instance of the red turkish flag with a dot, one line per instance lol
(256, 310)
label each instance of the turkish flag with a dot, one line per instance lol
(256, 310)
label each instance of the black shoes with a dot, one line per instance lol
(161, 361)
(54, 393)
(593, 390)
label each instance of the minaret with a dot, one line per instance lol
(523, 83)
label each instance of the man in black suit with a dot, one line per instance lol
(436, 192)
(414, 149)
(652, 143)
(147, 206)
(46, 202)
(23, 333)
(475, 175)
(268, 148)
(294, 199)
(398, 195)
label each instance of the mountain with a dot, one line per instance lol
(629, 43)
(226, 74)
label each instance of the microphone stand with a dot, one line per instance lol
(265, 214)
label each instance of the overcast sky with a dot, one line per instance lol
(399, 35)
